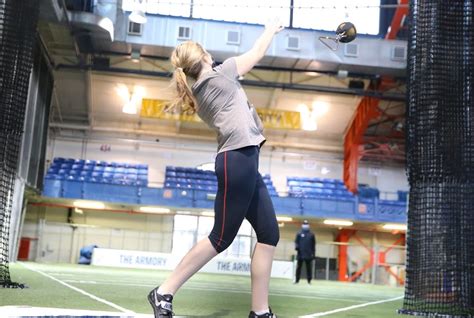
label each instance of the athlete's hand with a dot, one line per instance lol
(274, 25)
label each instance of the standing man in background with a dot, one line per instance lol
(305, 246)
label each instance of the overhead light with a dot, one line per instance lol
(338, 222)
(89, 205)
(284, 219)
(309, 116)
(319, 108)
(390, 226)
(129, 108)
(123, 92)
(308, 120)
(79, 211)
(207, 213)
(151, 209)
(281, 224)
(132, 100)
(325, 170)
(313, 74)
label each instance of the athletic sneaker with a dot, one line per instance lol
(265, 315)
(162, 304)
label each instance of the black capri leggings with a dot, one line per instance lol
(242, 194)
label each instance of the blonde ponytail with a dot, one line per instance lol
(186, 58)
(184, 101)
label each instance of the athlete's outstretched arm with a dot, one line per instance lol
(247, 61)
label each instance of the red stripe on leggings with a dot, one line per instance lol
(225, 198)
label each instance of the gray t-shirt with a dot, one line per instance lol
(224, 107)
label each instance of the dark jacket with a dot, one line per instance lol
(305, 244)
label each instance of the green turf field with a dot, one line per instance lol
(205, 295)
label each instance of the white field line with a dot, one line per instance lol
(79, 290)
(238, 291)
(327, 313)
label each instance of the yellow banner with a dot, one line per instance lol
(271, 118)
(280, 119)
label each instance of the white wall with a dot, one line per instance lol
(178, 152)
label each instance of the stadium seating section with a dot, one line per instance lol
(194, 188)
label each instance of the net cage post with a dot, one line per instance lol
(440, 160)
(18, 21)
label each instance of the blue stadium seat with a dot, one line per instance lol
(88, 167)
(63, 172)
(53, 171)
(131, 170)
(293, 183)
(402, 196)
(142, 171)
(141, 183)
(120, 170)
(59, 160)
(170, 173)
(69, 161)
(132, 177)
(97, 174)
(109, 169)
(55, 165)
(99, 169)
(107, 174)
(170, 184)
(77, 166)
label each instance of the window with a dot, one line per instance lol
(189, 229)
(184, 233)
(184, 33)
(134, 28)
(309, 14)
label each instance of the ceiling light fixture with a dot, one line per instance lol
(393, 226)
(284, 219)
(151, 209)
(132, 100)
(207, 213)
(338, 222)
(89, 205)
